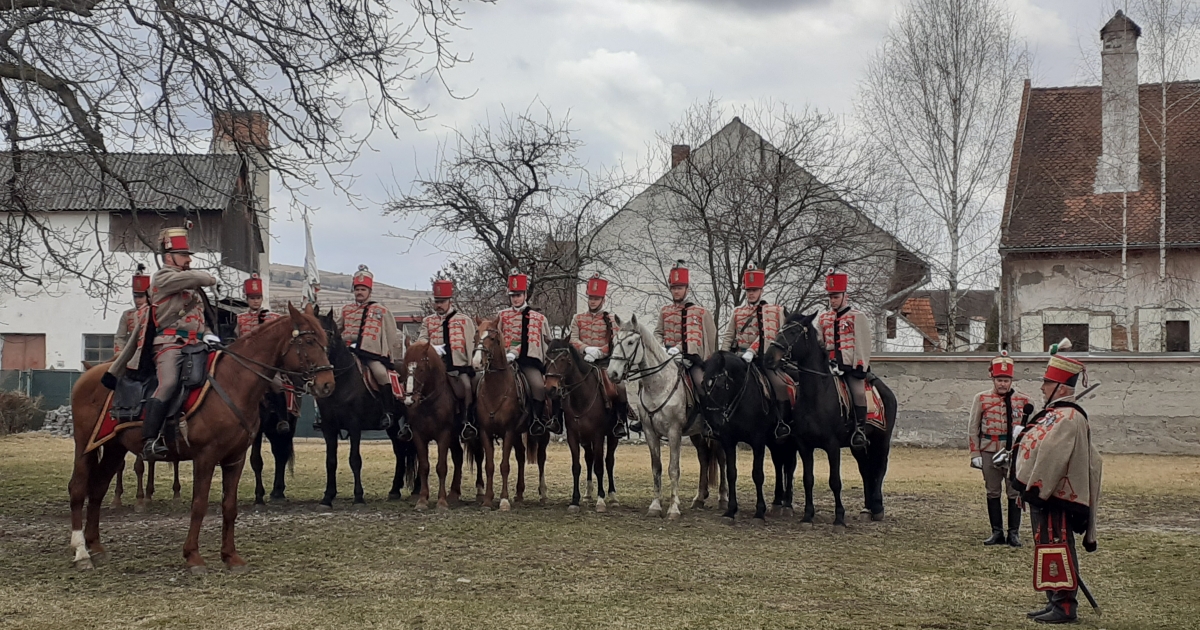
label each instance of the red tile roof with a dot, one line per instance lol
(1050, 203)
(919, 313)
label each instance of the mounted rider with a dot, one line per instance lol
(369, 328)
(247, 323)
(592, 334)
(751, 330)
(686, 329)
(994, 415)
(175, 318)
(846, 336)
(526, 333)
(1058, 470)
(128, 319)
(450, 332)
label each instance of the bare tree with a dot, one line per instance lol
(94, 78)
(939, 101)
(512, 194)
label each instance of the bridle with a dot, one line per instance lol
(414, 390)
(786, 349)
(727, 410)
(638, 357)
(553, 356)
(483, 358)
(306, 375)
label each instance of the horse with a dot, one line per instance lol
(431, 415)
(350, 409)
(501, 413)
(576, 386)
(273, 413)
(218, 432)
(656, 380)
(820, 422)
(738, 408)
(145, 495)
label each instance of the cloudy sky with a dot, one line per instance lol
(625, 69)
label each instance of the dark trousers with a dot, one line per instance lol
(1043, 532)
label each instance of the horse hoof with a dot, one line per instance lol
(198, 569)
(421, 507)
(572, 509)
(139, 508)
(238, 569)
(728, 520)
(443, 506)
(722, 505)
(654, 513)
(759, 521)
(612, 500)
(772, 510)
(100, 559)
(806, 525)
(505, 505)
(600, 507)
(673, 515)
(877, 516)
(787, 512)
(839, 529)
(394, 496)
(485, 508)
(84, 564)
(325, 507)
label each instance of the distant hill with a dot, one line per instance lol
(287, 283)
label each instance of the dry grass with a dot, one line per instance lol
(387, 566)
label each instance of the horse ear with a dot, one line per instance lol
(295, 314)
(617, 319)
(633, 319)
(308, 310)
(478, 321)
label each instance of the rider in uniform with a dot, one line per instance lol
(526, 332)
(592, 334)
(125, 326)
(1058, 473)
(176, 315)
(994, 413)
(247, 322)
(846, 336)
(449, 332)
(751, 330)
(369, 328)
(686, 329)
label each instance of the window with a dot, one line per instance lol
(1077, 333)
(891, 326)
(1179, 336)
(22, 352)
(97, 348)
(125, 233)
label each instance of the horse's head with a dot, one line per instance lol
(628, 351)
(799, 341)
(307, 354)
(422, 370)
(489, 346)
(563, 363)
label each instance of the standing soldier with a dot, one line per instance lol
(369, 328)
(247, 322)
(141, 284)
(751, 330)
(449, 332)
(684, 328)
(846, 335)
(592, 334)
(993, 415)
(1058, 474)
(526, 333)
(176, 319)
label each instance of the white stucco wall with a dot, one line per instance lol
(908, 338)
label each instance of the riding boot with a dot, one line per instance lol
(858, 440)
(403, 432)
(154, 447)
(467, 418)
(317, 421)
(1014, 524)
(1055, 616)
(1041, 611)
(619, 429)
(997, 519)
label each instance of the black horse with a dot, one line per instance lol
(818, 420)
(279, 427)
(353, 408)
(738, 409)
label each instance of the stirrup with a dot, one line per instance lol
(155, 450)
(468, 433)
(636, 427)
(404, 432)
(537, 428)
(859, 439)
(282, 426)
(782, 430)
(620, 430)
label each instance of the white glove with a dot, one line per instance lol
(592, 350)
(440, 349)
(672, 351)
(589, 358)
(748, 356)
(977, 462)
(212, 339)
(1017, 432)
(511, 357)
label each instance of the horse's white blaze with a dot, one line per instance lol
(79, 545)
(408, 389)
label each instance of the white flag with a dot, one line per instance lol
(312, 277)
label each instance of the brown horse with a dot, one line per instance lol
(431, 415)
(218, 432)
(499, 411)
(144, 494)
(576, 385)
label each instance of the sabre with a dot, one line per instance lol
(1080, 396)
(1087, 592)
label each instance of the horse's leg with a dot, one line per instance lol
(120, 487)
(422, 473)
(78, 490)
(398, 478)
(331, 466)
(477, 452)
(722, 478)
(504, 468)
(282, 449)
(835, 484)
(256, 464)
(759, 476)
(518, 445)
(149, 482)
(878, 460)
(175, 487)
(356, 465)
(110, 462)
(777, 464)
(789, 472)
(202, 474)
(704, 457)
(139, 471)
(588, 471)
(598, 463)
(652, 441)
(675, 444)
(489, 450)
(810, 510)
(231, 475)
(610, 462)
(543, 493)
(443, 466)
(731, 474)
(573, 444)
(456, 454)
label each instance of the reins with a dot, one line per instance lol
(592, 370)
(633, 374)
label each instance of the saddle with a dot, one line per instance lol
(765, 383)
(372, 386)
(875, 416)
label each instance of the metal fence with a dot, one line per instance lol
(54, 386)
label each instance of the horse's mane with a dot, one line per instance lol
(576, 357)
(650, 342)
(241, 342)
(814, 341)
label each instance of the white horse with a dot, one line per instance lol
(656, 381)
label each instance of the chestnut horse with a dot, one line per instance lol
(500, 413)
(431, 415)
(218, 432)
(576, 386)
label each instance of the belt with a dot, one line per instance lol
(190, 335)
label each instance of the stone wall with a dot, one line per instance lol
(1146, 404)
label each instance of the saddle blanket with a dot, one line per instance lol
(875, 415)
(372, 386)
(108, 427)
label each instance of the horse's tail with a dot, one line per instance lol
(716, 454)
(470, 449)
(291, 462)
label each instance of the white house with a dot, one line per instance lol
(225, 196)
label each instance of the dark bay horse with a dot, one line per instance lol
(819, 422)
(274, 414)
(738, 408)
(432, 416)
(353, 409)
(500, 412)
(575, 385)
(219, 432)
(145, 494)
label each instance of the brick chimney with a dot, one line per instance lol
(1117, 167)
(679, 153)
(233, 129)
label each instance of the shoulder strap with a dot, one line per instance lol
(362, 324)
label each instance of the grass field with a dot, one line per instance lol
(387, 566)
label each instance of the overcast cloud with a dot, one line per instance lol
(625, 69)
